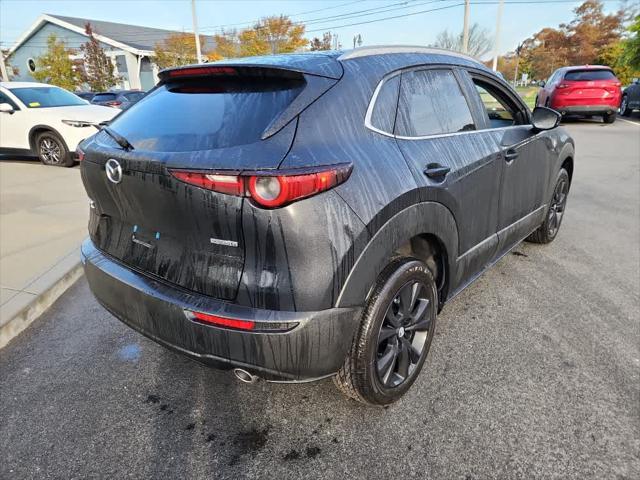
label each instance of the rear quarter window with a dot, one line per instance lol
(589, 75)
(205, 114)
(383, 112)
(431, 103)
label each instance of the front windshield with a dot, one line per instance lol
(45, 97)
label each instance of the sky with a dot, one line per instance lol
(519, 21)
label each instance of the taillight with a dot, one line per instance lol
(229, 184)
(114, 104)
(79, 154)
(269, 189)
(197, 71)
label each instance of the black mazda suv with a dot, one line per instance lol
(302, 216)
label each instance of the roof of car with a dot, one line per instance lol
(586, 67)
(11, 85)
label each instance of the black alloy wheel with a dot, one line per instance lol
(549, 228)
(394, 336)
(403, 334)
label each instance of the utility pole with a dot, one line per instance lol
(195, 30)
(496, 42)
(3, 68)
(465, 27)
(515, 74)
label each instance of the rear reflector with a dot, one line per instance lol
(79, 154)
(221, 321)
(270, 189)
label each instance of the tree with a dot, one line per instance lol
(631, 46)
(317, 44)
(178, 50)
(276, 34)
(98, 70)
(480, 42)
(56, 66)
(227, 44)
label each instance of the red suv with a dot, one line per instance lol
(586, 90)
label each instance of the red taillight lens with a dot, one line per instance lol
(79, 154)
(114, 104)
(221, 321)
(197, 71)
(229, 184)
(268, 190)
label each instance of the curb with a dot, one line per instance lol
(45, 290)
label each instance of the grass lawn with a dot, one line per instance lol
(528, 94)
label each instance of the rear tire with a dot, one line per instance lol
(548, 231)
(394, 335)
(609, 117)
(625, 111)
(52, 150)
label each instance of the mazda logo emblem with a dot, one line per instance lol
(114, 170)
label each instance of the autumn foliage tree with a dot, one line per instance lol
(271, 35)
(317, 44)
(98, 72)
(56, 66)
(178, 50)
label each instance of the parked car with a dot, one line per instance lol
(47, 121)
(86, 95)
(306, 216)
(582, 90)
(630, 98)
(122, 99)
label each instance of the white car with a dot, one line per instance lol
(47, 121)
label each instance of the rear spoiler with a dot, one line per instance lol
(309, 64)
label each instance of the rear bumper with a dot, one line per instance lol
(314, 347)
(586, 109)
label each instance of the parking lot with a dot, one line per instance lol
(534, 373)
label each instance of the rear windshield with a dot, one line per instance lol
(44, 97)
(134, 97)
(589, 75)
(104, 97)
(205, 115)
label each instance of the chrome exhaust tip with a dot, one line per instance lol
(245, 376)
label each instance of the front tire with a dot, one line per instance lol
(548, 231)
(625, 111)
(394, 336)
(609, 117)
(52, 150)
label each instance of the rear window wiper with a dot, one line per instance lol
(123, 142)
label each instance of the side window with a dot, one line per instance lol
(431, 103)
(383, 113)
(5, 99)
(500, 111)
(553, 77)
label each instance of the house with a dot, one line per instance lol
(130, 47)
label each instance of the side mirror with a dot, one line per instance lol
(544, 118)
(542, 83)
(6, 108)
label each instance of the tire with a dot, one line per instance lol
(609, 117)
(52, 150)
(548, 231)
(385, 359)
(625, 111)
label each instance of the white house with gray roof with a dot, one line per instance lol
(129, 46)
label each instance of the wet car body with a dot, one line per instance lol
(162, 250)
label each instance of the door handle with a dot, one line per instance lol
(436, 171)
(510, 155)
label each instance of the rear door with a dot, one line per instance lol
(454, 162)
(153, 222)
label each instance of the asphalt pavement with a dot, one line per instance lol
(534, 373)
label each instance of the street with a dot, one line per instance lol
(534, 373)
